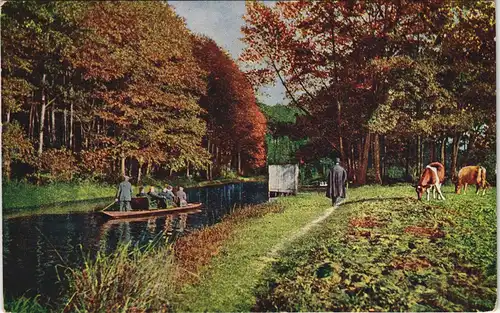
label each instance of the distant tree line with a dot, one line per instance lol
(101, 89)
(382, 82)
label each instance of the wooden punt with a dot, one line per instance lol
(143, 205)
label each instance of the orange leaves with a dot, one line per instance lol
(234, 119)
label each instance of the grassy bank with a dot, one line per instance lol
(226, 283)
(385, 251)
(18, 195)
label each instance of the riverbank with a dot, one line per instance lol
(382, 250)
(18, 196)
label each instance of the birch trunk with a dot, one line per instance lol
(42, 119)
(71, 128)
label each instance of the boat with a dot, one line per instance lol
(140, 208)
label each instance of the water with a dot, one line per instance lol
(34, 246)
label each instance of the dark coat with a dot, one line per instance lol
(337, 178)
(124, 192)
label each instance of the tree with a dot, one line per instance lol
(236, 126)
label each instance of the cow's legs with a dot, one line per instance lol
(433, 192)
(438, 187)
(465, 188)
(477, 188)
(428, 192)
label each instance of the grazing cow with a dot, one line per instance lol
(432, 177)
(471, 175)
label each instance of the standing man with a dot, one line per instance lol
(337, 178)
(124, 194)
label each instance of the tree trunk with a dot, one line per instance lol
(71, 129)
(122, 166)
(239, 162)
(31, 122)
(53, 126)
(187, 169)
(470, 147)
(376, 158)
(42, 119)
(363, 166)
(442, 158)
(419, 154)
(407, 163)
(139, 170)
(454, 156)
(65, 122)
(7, 117)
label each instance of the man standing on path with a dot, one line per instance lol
(124, 194)
(337, 178)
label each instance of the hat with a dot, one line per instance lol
(337, 160)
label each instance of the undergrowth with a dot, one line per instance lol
(25, 305)
(131, 279)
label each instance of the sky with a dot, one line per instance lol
(222, 21)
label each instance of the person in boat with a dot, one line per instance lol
(124, 194)
(142, 192)
(336, 182)
(181, 195)
(168, 195)
(157, 198)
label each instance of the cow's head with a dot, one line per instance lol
(420, 191)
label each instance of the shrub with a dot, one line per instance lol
(56, 165)
(94, 164)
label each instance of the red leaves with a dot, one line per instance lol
(235, 121)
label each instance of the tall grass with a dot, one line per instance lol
(17, 195)
(130, 279)
(25, 305)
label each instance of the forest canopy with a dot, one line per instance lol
(102, 89)
(382, 82)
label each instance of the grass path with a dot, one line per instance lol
(227, 283)
(277, 248)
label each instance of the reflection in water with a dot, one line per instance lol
(34, 245)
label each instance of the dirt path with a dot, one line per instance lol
(273, 253)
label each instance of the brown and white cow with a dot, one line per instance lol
(432, 178)
(471, 175)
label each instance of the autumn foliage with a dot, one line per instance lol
(236, 126)
(364, 72)
(108, 88)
